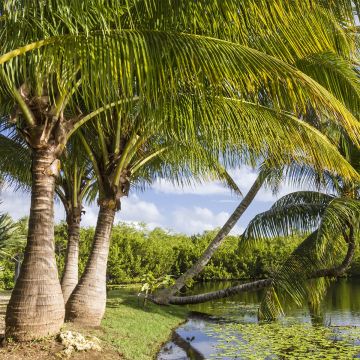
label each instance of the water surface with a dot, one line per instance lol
(230, 323)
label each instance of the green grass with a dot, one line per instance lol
(138, 332)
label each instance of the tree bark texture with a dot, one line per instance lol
(70, 276)
(87, 303)
(36, 306)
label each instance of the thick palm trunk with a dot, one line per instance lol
(87, 303)
(70, 276)
(261, 284)
(36, 306)
(163, 296)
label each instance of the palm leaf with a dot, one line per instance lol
(299, 211)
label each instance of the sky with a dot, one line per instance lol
(189, 210)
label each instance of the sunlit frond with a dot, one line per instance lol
(10, 237)
(296, 212)
(15, 158)
(292, 280)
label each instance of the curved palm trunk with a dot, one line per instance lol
(70, 276)
(163, 296)
(261, 284)
(86, 304)
(36, 306)
(220, 294)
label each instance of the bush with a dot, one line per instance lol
(136, 251)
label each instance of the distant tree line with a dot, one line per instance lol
(136, 251)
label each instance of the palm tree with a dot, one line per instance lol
(163, 296)
(294, 173)
(304, 276)
(332, 221)
(319, 70)
(126, 154)
(123, 149)
(292, 208)
(52, 63)
(75, 184)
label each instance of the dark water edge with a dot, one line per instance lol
(191, 341)
(180, 349)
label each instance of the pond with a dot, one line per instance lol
(228, 328)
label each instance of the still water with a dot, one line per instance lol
(228, 328)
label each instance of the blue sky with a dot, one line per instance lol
(188, 210)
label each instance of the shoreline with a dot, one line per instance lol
(128, 331)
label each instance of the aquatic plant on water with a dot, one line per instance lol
(279, 341)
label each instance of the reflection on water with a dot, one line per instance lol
(341, 307)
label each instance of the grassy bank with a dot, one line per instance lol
(128, 331)
(134, 331)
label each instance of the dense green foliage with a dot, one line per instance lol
(136, 251)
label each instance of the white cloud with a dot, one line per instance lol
(197, 219)
(243, 177)
(189, 218)
(133, 210)
(17, 204)
(90, 216)
(208, 188)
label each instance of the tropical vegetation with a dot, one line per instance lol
(97, 98)
(136, 252)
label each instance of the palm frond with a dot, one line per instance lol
(235, 69)
(296, 212)
(336, 74)
(291, 281)
(338, 215)
(15, 158)
(10, 237)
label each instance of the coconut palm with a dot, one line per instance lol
(74, 185)
(138, 52)
(127, 154)
(332, 221)
(123, 149)
(305, 275)
(163, 296)
(321, 66)
(266, 174)
(296, 175)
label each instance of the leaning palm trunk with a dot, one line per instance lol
(163, 296)
(70, 276)
(86, 304)
(36, 306)
(265, 283)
